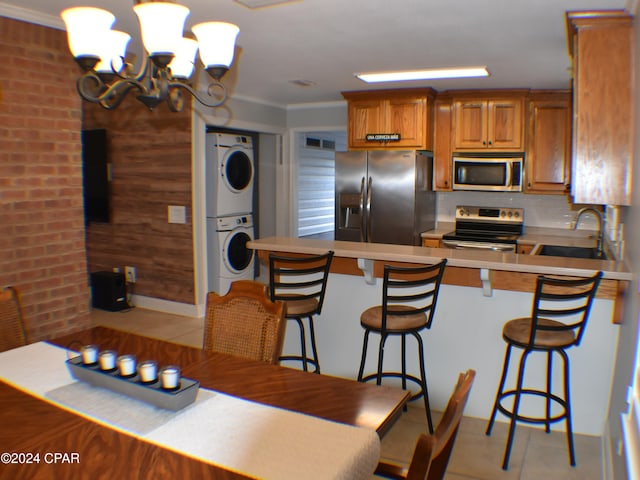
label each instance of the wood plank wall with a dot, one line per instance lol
(150, 152)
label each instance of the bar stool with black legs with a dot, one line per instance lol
(559, 315)
(409, 296)
(300, 282)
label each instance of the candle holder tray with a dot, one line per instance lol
(153, 392)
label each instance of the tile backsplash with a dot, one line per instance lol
(552, 211)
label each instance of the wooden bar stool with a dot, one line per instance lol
(559, 315)
(409, 296)
(300, 282)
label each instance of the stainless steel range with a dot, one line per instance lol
(486, 228)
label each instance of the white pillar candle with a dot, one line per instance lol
(148, 371)
(170, 376)
(127, 365)
(107, 359)
(89, 354)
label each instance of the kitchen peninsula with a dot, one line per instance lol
(480, 291)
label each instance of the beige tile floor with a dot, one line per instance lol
(535, 455)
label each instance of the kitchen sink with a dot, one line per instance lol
(574, 252)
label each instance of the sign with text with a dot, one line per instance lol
(383, 137)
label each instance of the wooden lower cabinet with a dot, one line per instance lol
(524, 249)
(431, 242)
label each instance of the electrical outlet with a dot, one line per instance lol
(130, 273)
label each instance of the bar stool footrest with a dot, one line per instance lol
(410, 378)
(533, 420)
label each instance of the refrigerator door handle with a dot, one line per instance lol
(362, 212)
(369, 188)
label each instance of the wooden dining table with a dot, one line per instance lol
(31, 424)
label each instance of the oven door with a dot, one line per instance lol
(472, 245)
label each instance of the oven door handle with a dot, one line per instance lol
(457, 245)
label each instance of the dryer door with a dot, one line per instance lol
(237, 257)
(237, 170)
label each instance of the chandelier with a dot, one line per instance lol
(166, 70)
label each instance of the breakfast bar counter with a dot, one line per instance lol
(504, 261)
(480, 292)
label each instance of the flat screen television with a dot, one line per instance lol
(95, 175)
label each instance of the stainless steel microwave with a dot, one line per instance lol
(488, 173)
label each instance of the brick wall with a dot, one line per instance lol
(42, 237)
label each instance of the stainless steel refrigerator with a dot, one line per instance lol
(384, 196)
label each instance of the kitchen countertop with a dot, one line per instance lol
(510, 262)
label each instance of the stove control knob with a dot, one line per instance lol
(510, 214)
(517, 214)
(502, 214)
(462, 212)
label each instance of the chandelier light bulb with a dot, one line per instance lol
(217, 42)
(87, 30)
(161, 25)
(182, 64)
(113, 51)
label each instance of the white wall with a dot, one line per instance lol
(269, 157)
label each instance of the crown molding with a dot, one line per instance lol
(31, 16)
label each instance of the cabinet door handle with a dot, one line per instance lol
(484, 142)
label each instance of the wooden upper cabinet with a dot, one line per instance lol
(600, 45)
(488, 123)
(365, 116)
(442, 161)
(408, 113)
(548, 156)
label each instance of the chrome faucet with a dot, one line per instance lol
(598, 215)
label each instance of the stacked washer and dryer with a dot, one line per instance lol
(230, 176)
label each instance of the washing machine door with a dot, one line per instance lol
(237, 170)
(237, 257)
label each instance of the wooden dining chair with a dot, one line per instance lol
(245, 323)
(432, 452)
(12, 330)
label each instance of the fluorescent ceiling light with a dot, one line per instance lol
(428, 74)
